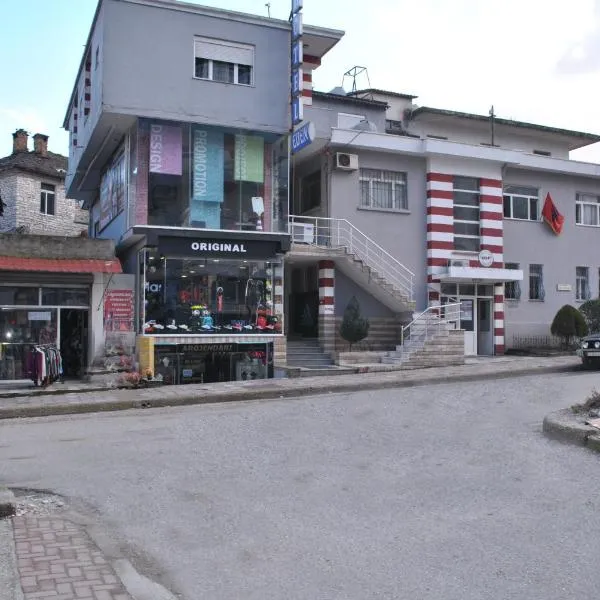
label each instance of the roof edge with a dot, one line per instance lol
(384, 92)
(349, 99)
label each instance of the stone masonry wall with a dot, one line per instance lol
(8, 191)
(23, 190)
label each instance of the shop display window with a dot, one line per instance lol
(216, 178)
(209, 296)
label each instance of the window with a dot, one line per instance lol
(383, 190)
(521, 203)
(97, 57)
(587, 210)
(310, 192)
(466, 214)
(47, 199)
(582, 284)
(222, 61)
(512, 289)
(536, 282)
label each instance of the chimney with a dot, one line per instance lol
(40, 144)
(20, 139)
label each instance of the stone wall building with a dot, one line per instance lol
(32, 188)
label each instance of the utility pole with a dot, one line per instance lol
(492, 124)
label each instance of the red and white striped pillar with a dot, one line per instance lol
(490, 219)
(327, 305)
(440, 230)
(499, 319)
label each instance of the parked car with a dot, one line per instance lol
(590, 350)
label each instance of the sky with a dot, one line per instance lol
(533, 60)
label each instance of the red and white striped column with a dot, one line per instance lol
(440, 230)
(490, 219)
(327, 305)
(499, 319)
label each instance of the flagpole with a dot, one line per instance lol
(492, 124)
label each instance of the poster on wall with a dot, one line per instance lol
(119, 332)
(249, 158)
(208, 175)
(112, 191)
(165, 149)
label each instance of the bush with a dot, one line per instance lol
(568, 323)
(354, 327)
(591, 313)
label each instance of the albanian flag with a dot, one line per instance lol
(551, 215)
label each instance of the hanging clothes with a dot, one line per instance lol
(43, 364)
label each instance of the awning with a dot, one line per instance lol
(56, 265)
(479, 274)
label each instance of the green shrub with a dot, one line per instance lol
(568, 323)
(354, 327)
(591, 312)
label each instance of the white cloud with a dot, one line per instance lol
(583, 55)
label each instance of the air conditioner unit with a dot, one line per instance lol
(303, 233)
(346, 162)
(458, 262)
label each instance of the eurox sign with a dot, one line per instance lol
(305, 134)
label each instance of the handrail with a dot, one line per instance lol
(332, 232)
(442, 308)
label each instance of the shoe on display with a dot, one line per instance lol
(248, 327)
(228, 327)
(159, 326)
(172, 326)
(184, 327)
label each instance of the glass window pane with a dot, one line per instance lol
(202, 68)
(466, 289)
(364, 193)
(466, 198)
(520, 207)
(466, 183)
(245, 74)
(590, 214)
(470, 244)
(466, 214)
(507, 211)
(223, 71)
(65, 297)
(533, 211)
(520, 190)
(28, 326)
(19, 296)
(448, 289)
(466, 229)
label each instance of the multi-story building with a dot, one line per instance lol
(179, 122)
(32, 188)
(434, 206)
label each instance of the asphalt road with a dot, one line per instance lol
(435, 492)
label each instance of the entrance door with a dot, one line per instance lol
(74, 341)
(468, 322)
(485, 342)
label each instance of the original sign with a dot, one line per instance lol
(172, 247)
(303, 136)
(486, 258)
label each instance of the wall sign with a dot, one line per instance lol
(172, 247)
(249, 158)
(564, 287)
(486, 258)
(296, 59)
(208, 166)
(303, 136)
(165, 149)
(112, 191)
(39, 316)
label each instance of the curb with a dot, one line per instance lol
(272, 391)
(8, 504)
(567, 426)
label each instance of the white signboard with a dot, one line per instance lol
(40, 316)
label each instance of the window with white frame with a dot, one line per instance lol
(587, 210)
(384, 190)
(48, 199)
(582, 283)
(466, 214)
(536, 282)
(521, 202)
(512, 289)
(226, 62)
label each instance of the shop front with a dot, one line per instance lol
(212, 302)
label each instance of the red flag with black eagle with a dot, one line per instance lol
(551, 215)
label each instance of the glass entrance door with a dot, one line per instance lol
(468, 322)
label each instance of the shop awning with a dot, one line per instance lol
(56, 265)
(479, 275)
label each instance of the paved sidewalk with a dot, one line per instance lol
(111, 400)
(57, 560)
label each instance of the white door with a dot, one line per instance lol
(468, 322)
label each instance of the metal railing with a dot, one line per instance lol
(431, 322)
(339, 233)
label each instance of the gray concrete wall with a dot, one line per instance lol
(402, 234)
(324, 114)
(528, 242)
(42, 246)
(149, 69)
(345, 288)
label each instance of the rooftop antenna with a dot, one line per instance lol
(354, 73)
(268, 5)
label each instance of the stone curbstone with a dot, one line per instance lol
(8, 504)
(564, 425)
(160, 398)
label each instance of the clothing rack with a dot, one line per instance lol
(44, 364)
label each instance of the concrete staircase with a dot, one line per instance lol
(308, 354)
